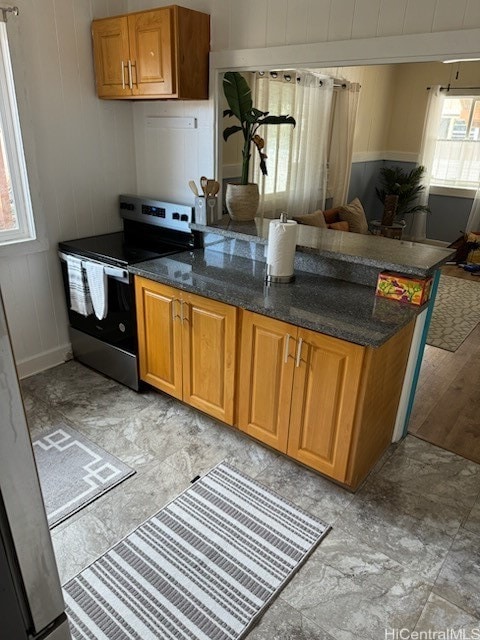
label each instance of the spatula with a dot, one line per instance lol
(193, 187)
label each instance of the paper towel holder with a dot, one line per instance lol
(278, 279)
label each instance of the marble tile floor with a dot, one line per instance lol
(404, 551)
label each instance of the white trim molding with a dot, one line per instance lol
(420, 47)
(452, 192)
(44, 360)
(392, 156)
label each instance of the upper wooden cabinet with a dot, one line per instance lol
(187, 346)
(161, 53)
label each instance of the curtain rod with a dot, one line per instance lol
(4, 11)
(337, 84)
(448, 87)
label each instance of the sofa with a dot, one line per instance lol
(348, 217)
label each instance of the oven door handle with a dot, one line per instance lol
(113, 272)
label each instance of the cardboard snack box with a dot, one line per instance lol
(397, 286)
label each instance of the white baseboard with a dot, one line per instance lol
(45, 360)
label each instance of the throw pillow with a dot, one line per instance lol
(315, 219)
(339, 226)
(354, 214)
(331, 215)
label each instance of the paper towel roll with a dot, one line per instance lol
(282, 240)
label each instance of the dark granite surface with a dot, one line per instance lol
(334, 307)
(403, 256)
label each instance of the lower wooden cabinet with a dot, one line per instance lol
(267, 351)
(325, 402)
(187, 346)
(298, 391)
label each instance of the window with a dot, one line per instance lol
(16, 215)
(457, 153)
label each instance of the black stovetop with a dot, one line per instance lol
(116, 249)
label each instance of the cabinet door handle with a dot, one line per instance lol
(130, 82)
(123, 75)
(174, 313)
(287, 344)
(184, 317)
(299, 352)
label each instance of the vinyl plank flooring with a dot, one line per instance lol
(447, 407)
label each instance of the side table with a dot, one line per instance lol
(394, 230)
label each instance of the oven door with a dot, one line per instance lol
(118, 328)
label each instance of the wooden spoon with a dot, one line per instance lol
(210, 187)
(203, 184)
(193, 187)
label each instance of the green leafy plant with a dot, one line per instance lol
(407, 185)
(239, 99)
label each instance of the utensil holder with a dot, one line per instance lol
(206, 209)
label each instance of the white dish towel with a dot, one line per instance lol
(97, 284)
(77, 283)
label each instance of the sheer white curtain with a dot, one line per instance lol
(427, 154)
(296, 157)
(341, 146)
(473, 223)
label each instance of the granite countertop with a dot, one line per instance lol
(334, 307)
(403, 256)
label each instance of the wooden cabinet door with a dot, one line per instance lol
(325, 391)
(209, 348)
(111, 55)
(152, 52)
(266, 376)
(159, 336)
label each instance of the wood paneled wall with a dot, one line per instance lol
(80, 156)
(83, 151)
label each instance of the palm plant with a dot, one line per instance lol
(239, 98)
(407, 185)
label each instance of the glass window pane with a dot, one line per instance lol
(8, 217)
(457, 153)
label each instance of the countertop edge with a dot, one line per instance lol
(352, 337)
(336, 255)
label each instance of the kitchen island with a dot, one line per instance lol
(319, 369)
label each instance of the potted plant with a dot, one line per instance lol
(399, 192)
(242, 199)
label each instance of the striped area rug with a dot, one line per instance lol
(204, 568)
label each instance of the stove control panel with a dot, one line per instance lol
(161, 214)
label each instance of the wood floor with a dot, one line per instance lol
(447, 405)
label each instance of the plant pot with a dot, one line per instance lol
(242, 201)
(389, 209)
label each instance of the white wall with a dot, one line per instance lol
(167, 159)
(80, 156)
(83, 150)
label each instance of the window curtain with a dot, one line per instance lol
(473, 223)
(296, 157)
(344, 117)
(427, 153)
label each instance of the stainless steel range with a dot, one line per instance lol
(107, 341)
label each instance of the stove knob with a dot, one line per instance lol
(122, 327)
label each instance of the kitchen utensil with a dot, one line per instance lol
(193, 187)
(203, 184)
(210, 187)
(212, 214)
(216, 188)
